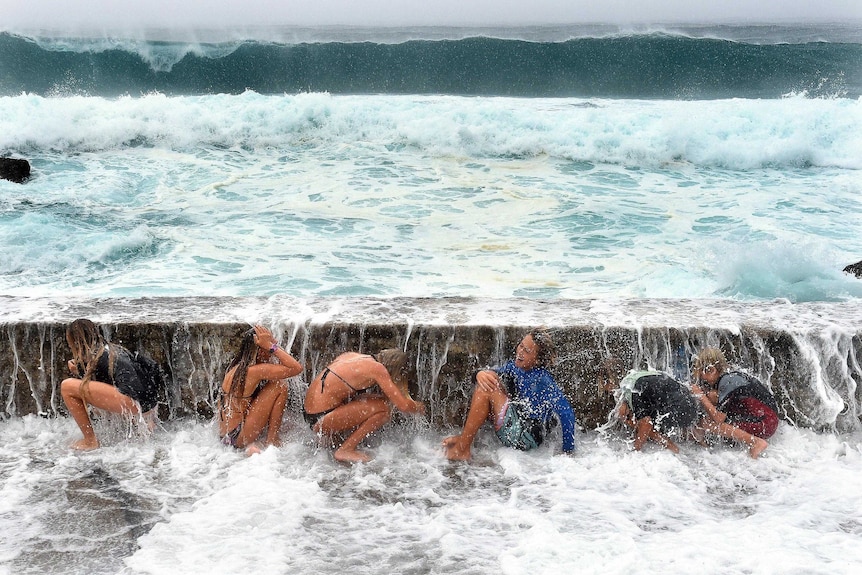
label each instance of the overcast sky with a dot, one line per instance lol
(219, 13)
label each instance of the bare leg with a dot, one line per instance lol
(266, 411)
(348, 452)
(364, 415)
(483, 404)
(98, 394)
(643, 429)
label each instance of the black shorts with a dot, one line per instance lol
(667, 402)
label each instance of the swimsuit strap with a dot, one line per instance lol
(326, 372)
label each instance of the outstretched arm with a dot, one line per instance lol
(404, 404)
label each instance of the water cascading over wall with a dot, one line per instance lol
(809, 354)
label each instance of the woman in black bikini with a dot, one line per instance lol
(253, 393)
(338, 399)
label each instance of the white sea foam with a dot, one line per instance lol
(181, 501)
(432, 196)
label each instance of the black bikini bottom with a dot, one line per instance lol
(312, 418)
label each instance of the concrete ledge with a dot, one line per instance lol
(810, 354)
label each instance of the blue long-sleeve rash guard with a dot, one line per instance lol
(541, 396)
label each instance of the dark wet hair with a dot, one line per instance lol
(245, 357)
(546, 350)
(613, 369)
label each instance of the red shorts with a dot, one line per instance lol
(753, 416)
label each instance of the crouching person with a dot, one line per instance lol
(105, 376)
(355, 393)
(736, 400)
(253, 392)
(653, 403)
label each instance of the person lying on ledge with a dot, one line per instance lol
(106, 376)
(520, 399)
(253, 393)
(734, 397)
(651, 402)
(355, 393)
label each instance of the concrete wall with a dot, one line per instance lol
(812, 367)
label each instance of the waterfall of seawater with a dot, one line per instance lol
(808, 354)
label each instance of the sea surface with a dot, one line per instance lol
(545, 163)
(719, 162)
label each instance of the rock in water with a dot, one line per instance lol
(14, 169)
(855, 269)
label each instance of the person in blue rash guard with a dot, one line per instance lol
(520, 397)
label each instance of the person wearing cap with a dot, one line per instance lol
(520, 398)
(253, 395)
(734, 397)
(354, 394)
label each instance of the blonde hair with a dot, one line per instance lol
(395, 362)
(88, 345)
(710, 356)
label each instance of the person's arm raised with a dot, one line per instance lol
(287, 366)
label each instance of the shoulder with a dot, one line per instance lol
(352, 358)
(633, 376)
(543, 375)
(509, 366)
(121, 355)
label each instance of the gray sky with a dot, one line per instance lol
(62, 14)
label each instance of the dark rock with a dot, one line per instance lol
(14, 169)
(855, 269)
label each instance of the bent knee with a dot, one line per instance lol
(70, 386)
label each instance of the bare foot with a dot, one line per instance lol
(351, 456)
(252, 449)
(86, 444)
(455, 451)
(699, 436)
(150, 420)
(757, 447)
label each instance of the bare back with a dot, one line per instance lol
(347, 375)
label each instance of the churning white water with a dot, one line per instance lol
(179, 502)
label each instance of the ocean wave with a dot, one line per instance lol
(664, 65)
(794, 132)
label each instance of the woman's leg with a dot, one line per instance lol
(483, 404)
(266, 411)
(365, 414)
(98, 394)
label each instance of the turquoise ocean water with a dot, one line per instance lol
(714, 162)
(706, 162)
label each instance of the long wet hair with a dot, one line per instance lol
(246, 357)
(546, 350)
(87, 346)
